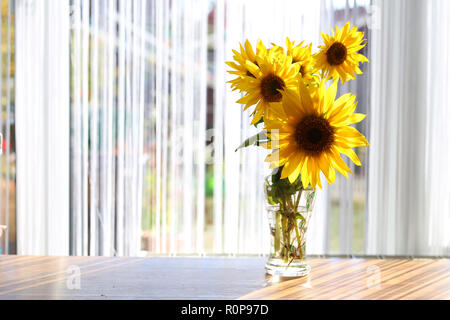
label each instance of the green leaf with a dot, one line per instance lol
(255, 140)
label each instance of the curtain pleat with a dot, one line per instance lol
(108, 72)
(42, 88)
(437, 155)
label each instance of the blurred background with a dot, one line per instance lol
(120, 129)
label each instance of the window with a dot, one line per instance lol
(127, 129)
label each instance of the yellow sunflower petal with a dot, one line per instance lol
(292, 165)
(351, 154)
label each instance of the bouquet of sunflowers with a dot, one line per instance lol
(293, 92)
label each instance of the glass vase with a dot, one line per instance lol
(289, 210)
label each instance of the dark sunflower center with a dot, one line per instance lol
(270, 85)
(336, 54)
(314, 135)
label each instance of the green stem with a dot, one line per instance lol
(285, 239)
(277, 232)
(297, 233)
(298, 199)
(283, 251)
(289, 204)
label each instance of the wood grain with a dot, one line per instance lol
(33, 277)
(367, 279)
(44, 277)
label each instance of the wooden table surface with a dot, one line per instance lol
(43, 277)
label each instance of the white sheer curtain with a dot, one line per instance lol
(42, 126)
(109, 55)
(175, 207)
(409, 188)
(154, 127)
(80, 86)
(127, 130)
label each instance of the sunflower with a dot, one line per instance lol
(240, 58)
(301, 54)
(338, 57)
(310, 134)
(271, 73)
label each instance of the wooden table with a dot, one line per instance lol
(40, 277)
